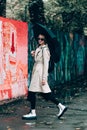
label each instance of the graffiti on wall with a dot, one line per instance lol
(13, 58)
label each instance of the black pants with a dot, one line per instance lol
(46, 96)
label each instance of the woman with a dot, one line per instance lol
(39, 79)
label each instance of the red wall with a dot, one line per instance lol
(13, 58)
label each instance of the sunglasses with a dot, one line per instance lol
(42, 39)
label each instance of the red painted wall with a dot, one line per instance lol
(13, 58)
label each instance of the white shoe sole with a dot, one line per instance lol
(29, 118)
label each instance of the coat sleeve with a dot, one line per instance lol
(46, 58)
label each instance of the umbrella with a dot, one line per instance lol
(51, 39)
(39, 28)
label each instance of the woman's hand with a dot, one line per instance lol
(33, 53)
(43, 82)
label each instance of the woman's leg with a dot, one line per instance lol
(32, 99)
(51, 97)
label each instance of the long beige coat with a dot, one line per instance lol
(40, 70)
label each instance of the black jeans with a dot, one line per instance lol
(47, 96)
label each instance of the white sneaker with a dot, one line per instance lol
(30, 116)
(62, 110)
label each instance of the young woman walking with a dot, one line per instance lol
(39, 80)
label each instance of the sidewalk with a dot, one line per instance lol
(74, 119)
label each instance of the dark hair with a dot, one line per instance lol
(43, 35)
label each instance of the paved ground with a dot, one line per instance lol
(74, 119)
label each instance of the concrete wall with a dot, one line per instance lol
(13, 67)
(13, 58)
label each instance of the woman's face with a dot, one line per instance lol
(41, 39)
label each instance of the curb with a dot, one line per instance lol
(13, 100)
